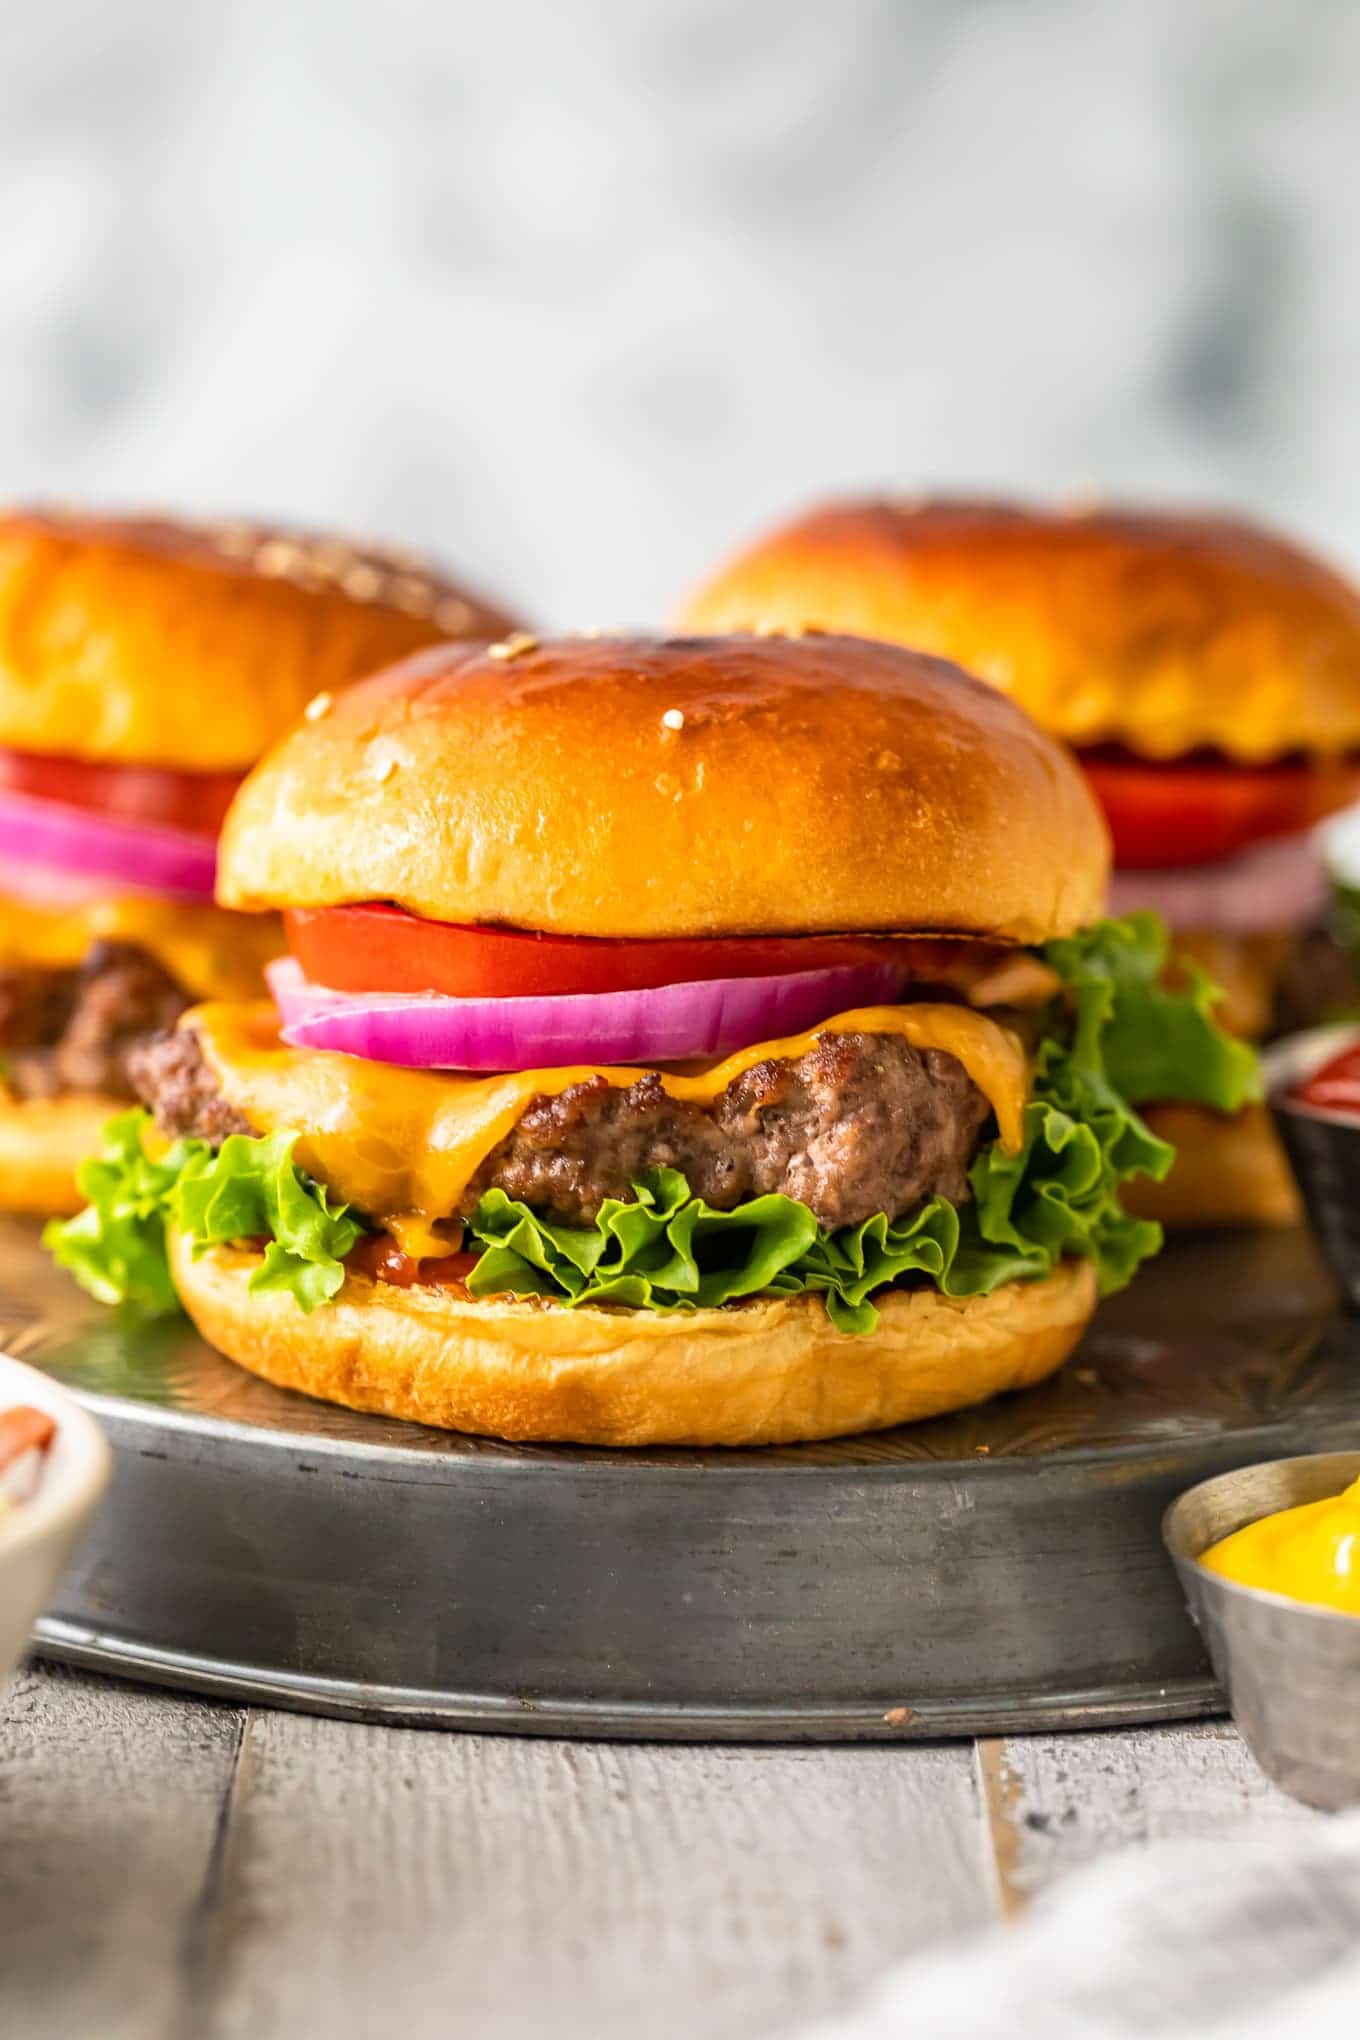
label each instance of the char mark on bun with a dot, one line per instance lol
(710, 1040)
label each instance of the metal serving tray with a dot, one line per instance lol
(997, 1570)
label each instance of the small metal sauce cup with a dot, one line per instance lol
(1323, 1148)
(1291, 1672)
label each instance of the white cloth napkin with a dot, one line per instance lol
(1241, 1940)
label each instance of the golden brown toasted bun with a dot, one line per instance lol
(765, 1373)
(137, 640)
(1156, 630)
(1229, 1170)
(710, 786)
(43, 1141)
(1246, 969)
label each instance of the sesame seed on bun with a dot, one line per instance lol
(830, 784)
(1160, 630)
(154, 641)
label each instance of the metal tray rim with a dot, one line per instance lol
(510, 1714)
(263, 1549)
(526, 1461)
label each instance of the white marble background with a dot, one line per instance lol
(579, 292)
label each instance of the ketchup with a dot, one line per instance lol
(24, 1430)
(1336, 1086)
(382, 1260)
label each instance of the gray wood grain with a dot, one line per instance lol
(170, 1869)
(379, 1882)
(1062, 1800)
(109, 1805)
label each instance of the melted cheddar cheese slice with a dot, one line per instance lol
(212, 953)
(403, 1145)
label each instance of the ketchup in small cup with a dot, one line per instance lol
(25, 1435)
(1335, 1087)
(1313, 1084)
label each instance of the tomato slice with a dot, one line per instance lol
(197, 801)
(1203, 810)
(381, 948)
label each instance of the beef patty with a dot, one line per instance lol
(76, 1029)
(170, 1075)
(863, 1123)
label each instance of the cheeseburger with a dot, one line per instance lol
(1208, 675)
(707, 1041)
(144, 665)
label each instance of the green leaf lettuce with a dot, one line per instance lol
(247, 1190)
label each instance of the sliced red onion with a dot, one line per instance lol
(72, 846)
(670, 1023)
(1274, 885)
(45, 886)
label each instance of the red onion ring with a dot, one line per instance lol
(1274, 885)
(43, 886)
(669, 1023)
(78, 844)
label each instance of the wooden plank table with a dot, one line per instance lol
(173, 1868)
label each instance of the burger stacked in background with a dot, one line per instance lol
(1207, 674)
(705, 1041)
(144, 666)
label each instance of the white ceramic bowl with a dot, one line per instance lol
(38, 1536)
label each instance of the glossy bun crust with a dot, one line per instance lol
(1157, 631)
(690, 786)
(1230, 1169)
(765, 1373)
(43, 1141)
(140, 641)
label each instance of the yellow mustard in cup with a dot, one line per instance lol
(1311, 1553)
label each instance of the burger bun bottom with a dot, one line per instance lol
(1230, 1170)
(773, 1371)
